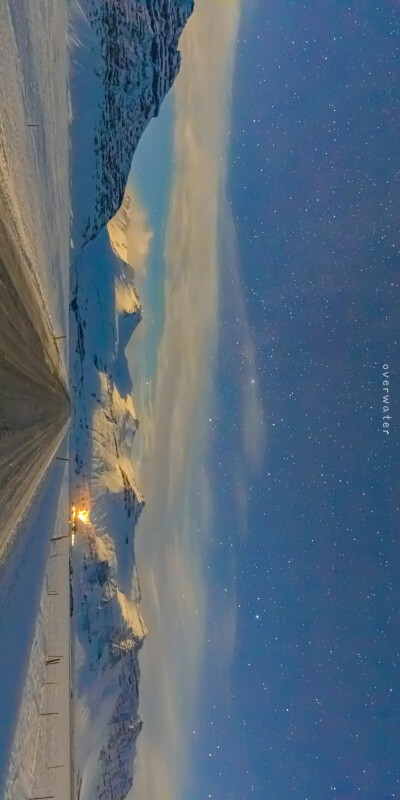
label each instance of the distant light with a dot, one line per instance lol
(83, 515)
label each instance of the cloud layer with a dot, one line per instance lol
(174, 530)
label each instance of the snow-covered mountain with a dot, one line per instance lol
(129, 233)
(108, 627)
(125, 59)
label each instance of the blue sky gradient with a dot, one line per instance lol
(302, 558)
(308, 711)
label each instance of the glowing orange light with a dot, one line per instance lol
(82, 514)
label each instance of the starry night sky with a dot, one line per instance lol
(312, 707)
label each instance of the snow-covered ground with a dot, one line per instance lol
(34, 502)
(107, 623)
(124, 62)
(40, 764)
(34, 163)
(34, 248)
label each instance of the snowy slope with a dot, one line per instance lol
(34, 278)
(40, 758)
(107, 621)
(34, 163)
(34, 248)
(125, 61)
(130, 235)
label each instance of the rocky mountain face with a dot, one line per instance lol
(107, 624)
(124, 60)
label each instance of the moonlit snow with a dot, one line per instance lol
(34, 249)
(70, 628)
(34, 403)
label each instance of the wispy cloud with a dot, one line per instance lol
(174, 530)
(252, 413)
(250, 426)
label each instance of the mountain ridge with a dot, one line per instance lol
(125, 60)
